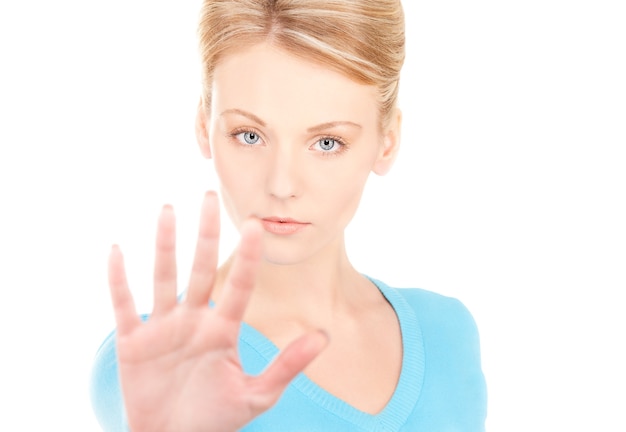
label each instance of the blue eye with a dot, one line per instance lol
(327, 144)
(248, 137)
(330, 146)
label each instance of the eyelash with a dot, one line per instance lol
(233, 135)
(343, 145)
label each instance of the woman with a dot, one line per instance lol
(298, 107)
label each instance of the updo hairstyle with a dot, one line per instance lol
(362, 39)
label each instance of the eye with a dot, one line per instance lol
(327, 144)
(330, 145)
(247, 137)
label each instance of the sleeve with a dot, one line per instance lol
(465, 386)
(470, 368)
(105, 392)
(454, 386)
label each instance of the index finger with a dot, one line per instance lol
(242, 275)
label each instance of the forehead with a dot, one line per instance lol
(276, 85)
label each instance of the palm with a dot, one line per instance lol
(169, 362)
(181, 370)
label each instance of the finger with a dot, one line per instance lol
(267, 387)
(123, 304)
(165, 263)
(242, 276)
(205, 259)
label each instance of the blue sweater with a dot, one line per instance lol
(441, 385)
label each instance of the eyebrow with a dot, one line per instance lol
(330, 125)
(317, 128)
(245, 114)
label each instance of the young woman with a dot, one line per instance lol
(298, 108)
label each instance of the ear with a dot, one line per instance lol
(202, 133)
(390, 145)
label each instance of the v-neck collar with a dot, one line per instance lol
(409, 385)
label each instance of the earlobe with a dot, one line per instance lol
(390, 145)
(202, 134)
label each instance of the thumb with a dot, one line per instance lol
(267, 387)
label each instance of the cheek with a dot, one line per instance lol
(341, 189)
(239, 184)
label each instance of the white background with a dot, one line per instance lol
(509, 193)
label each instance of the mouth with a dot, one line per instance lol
(283, 226)
(281, 220)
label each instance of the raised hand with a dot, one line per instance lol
(180, 370)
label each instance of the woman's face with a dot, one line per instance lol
(293, 144)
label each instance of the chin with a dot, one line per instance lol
(282, 258)
(284, 254)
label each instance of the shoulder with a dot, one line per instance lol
(106, 397)
(446, 327)
(105, 390)
(444, 319)
(432, 308)
(438, 308)
(453, 379)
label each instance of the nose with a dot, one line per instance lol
(282, 177)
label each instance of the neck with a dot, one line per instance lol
(310, 291)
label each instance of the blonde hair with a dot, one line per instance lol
(363, 39)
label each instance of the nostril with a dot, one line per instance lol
(283, 171)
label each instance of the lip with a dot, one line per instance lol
(282, 226)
